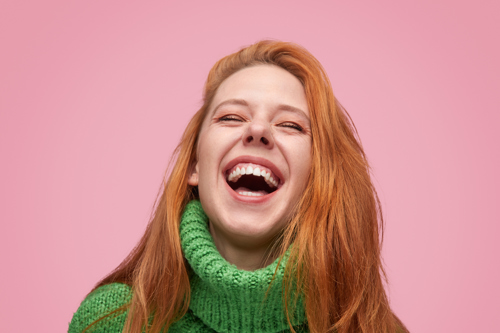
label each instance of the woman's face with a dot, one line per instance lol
(254, 155)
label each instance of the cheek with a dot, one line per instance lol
(297, 152)
(299, 148)
(305, 170)
(302, 161)
(212, 147)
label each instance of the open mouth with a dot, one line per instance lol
(252, 179)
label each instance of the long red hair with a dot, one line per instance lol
(334, 237)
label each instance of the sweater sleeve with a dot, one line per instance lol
(98, 304)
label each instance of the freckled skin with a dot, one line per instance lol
(263, 123)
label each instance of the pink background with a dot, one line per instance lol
(94, 96)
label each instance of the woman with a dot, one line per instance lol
(268, 222)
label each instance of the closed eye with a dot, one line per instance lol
(230, 117)
(292, 125)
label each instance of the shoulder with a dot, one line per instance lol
(99, 303)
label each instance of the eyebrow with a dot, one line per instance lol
(233, 101)
(284, 107)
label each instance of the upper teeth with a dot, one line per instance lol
(249, 170)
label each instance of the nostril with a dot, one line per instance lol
(249, 138)
(264, 140)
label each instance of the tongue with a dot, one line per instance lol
(244, 189)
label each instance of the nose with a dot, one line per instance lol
(258, 134)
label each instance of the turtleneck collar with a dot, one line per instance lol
(224, 297)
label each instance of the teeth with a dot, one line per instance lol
(272, 182)
(249, 170)
(250, 194)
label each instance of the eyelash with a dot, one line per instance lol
(230, 118)
(292, 125)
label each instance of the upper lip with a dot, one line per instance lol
(255, 160)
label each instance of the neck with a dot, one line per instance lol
(247, 258)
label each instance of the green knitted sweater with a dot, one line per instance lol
(223, 298)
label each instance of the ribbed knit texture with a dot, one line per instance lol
(223, 298)
(97, 304)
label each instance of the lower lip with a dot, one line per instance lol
(249, 199)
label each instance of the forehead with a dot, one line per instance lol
(262, 85)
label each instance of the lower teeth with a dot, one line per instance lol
(251, 194)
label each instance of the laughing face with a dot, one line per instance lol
(253, 155)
